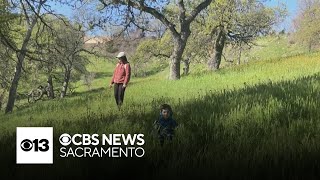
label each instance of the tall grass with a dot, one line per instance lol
(255, 120)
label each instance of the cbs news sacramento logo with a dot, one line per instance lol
(34, 145)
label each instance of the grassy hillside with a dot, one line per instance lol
(273, 47)
(256, 119)
(144, 91)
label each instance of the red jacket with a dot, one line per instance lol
(121, 73)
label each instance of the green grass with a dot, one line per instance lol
(103, 69)
(144, 90)
(257, 119)
(275, 47)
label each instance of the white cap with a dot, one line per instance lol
(121, 54)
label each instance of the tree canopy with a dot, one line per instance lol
(307, 23)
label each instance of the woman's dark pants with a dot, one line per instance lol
(119, 93)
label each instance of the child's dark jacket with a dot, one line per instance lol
(165, 127)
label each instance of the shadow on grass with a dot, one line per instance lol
(99, 75)
(89, 92)
(151, 71)
(265, 131)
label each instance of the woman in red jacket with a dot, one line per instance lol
(120, 78)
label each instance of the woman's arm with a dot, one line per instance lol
(128, 74)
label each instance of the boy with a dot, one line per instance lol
(165, 125)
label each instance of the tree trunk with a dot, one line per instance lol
(240, 53)
(310, 46)
(179, 46)
(186, 64)
(17, 74)
(50, 87)
(215, 59)
(2, 98)
(65, 82)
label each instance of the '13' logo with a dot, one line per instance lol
(38, 145)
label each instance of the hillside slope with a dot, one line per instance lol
(260, 118)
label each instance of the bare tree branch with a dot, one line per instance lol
(197, 10)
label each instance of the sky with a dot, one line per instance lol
(292, 8)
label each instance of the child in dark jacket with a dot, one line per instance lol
(165, 124)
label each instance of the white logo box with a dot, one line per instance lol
(31, 156)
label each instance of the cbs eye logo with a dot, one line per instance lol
(65, 139)
(38, 145)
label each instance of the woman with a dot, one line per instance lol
(120, 78)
